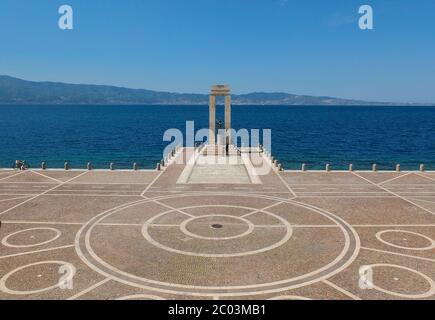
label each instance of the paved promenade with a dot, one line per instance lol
(216, 231)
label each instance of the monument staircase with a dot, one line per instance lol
(219, 150)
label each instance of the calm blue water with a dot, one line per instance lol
(127, 134)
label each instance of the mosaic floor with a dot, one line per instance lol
(291, 235)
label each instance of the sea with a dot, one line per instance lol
(314, 135)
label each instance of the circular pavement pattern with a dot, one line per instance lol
(289, 298)
(404, 237)
(215, 227)
(140, 297)
(218, 227)
(234, 246)
(44, 273)
(408, 273)
(29, 238)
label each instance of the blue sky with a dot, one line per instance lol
(304, 47)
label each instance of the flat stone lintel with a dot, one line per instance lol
(220, 90)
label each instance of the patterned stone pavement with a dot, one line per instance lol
(289, 235)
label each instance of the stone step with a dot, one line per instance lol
(220, 153)
(219, 150)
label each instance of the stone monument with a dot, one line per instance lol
(219, 90)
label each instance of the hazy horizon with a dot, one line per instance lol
(297, 47)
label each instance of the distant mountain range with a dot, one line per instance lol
(18, 91)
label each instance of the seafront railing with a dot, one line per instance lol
(328, 167)
(267, 155)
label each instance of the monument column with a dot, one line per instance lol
(212, 120)
(228, 117)
(219, 90)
